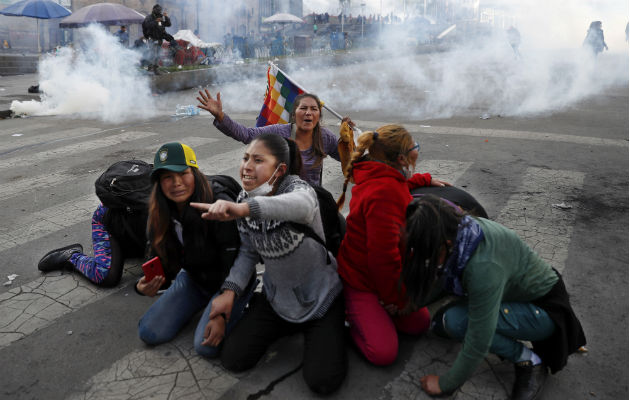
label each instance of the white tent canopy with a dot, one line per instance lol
(189, 36)
(282, 18)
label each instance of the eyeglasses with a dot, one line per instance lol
(416, 146)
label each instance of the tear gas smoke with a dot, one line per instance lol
(98, 79)
(475, 76)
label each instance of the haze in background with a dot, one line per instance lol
(98, 79)
(475, 77)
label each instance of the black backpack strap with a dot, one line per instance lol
(308, 231)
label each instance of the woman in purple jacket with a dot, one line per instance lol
(314, 141)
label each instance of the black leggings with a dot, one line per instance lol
(325, 359)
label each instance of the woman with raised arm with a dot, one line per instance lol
(314, 141)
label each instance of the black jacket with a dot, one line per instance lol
(151, 29)
(209, 249)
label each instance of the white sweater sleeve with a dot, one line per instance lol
(299, 206)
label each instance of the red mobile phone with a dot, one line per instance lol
(152, 268)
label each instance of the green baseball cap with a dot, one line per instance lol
(175, 157)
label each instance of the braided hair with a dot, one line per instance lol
(384, 144)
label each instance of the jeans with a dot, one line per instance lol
(517, 321)
(181, 301)
(325, 359)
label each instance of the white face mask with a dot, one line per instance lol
(408, 171)
(265, 188)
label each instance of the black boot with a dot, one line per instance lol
(59, 258)
(529, 380)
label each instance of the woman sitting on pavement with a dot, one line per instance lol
(508, 295)
(301, 287)
(204, 250)
(370, 258)
(314, 141)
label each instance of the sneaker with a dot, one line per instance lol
(59, 258)
(529, 380)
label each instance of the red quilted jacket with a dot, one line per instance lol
(371, 252)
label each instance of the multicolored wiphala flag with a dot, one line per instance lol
(281, 93)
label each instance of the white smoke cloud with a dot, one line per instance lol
(98, 79)
(473, 77)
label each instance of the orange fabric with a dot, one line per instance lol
(345, 146)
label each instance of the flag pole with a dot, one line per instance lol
(333, 112)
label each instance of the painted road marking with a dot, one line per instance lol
(12, 189)
(73, 149)
(21, 128)
(192, 141)
(526, 135)
(63, 215)
(531, 213)
(11, 143)
(478, 132)
(169, 371)
(37, 304)
(43, 222)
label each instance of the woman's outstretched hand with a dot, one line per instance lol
(431, 384)
(214, 107)
(222, 210)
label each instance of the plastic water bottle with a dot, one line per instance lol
(180, 110)
(188, 110)
(192, 110)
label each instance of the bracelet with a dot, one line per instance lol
(224, 316)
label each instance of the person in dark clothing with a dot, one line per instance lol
(205, 251)
(154, 29)
(594, 40)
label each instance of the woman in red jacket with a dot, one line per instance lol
(370, 256)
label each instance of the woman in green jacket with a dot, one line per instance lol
(508, 294)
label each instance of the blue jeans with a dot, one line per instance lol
(174, 308)
(517, 321)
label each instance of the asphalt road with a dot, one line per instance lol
(560, 179)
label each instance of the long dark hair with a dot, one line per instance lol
(284, 151)
(318, 144)
(161, 213)
(431, 222)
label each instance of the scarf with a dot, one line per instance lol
(469, 235)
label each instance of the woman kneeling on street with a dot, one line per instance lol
(301, 288)
(507, 294)
(204, 250)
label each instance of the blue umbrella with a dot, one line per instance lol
(40, 9)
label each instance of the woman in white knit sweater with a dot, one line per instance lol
(301, 287)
